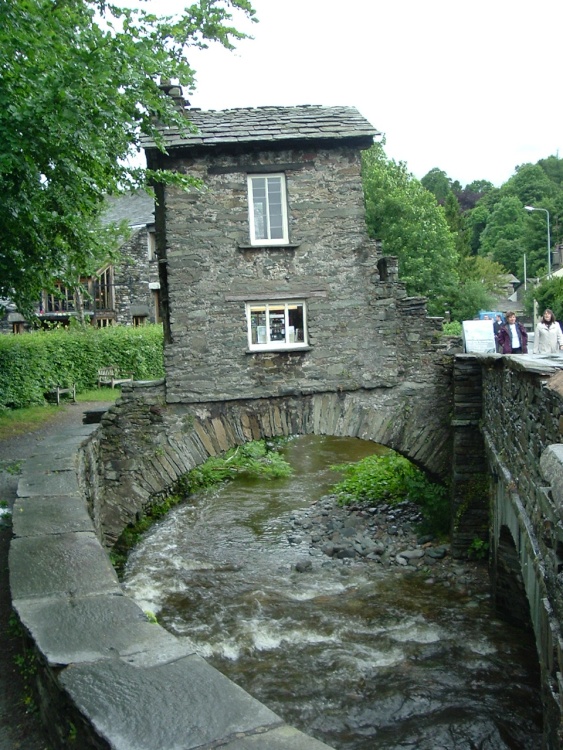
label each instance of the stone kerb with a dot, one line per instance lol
(107, 677)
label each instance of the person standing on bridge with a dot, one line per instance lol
(512, 337)
(549, 337)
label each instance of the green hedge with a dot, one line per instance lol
(31, 364)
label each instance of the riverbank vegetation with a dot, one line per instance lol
(259, 459)
(391, 479)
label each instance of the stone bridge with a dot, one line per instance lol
(488, 423)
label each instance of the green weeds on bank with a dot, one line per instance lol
(391, 479)
(258, 459)
(25, 661)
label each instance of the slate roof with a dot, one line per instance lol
(269, 124)
(137, 209)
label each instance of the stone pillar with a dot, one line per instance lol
(470, 481)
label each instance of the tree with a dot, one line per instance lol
(553, 167)
(458, 225)
(406, 217)
(503, 239)
(79, 87)
(468, 298)
(549, 294)
(479, 186)
(530, 184)
(438, 183)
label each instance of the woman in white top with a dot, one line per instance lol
(548, 337)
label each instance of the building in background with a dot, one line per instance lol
(123, 292)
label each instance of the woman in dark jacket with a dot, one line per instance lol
(512, 337)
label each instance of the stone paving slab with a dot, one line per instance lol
(48, 463)
(182, 705)
(98, 627)
(280, 738)
(44, 483)
(72, 564)
(38, 515)
(64, 445)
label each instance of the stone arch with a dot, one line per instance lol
(146, 445)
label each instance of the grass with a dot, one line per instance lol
(14, 422)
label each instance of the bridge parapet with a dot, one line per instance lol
(515, 461)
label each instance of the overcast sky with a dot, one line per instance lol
(473, 88)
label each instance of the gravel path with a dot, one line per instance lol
(20, 727)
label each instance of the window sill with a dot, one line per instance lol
(284, 246)
(290, 349)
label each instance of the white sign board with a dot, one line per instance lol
(479, 336)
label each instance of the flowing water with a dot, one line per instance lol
(359, 656)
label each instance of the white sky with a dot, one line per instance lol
(473, 88)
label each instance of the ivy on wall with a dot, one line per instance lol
(32, 364)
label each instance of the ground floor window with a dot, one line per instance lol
(276, 325)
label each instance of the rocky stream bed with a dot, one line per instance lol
(384, 535)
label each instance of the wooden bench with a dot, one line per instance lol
(111, 376)
(58, 390)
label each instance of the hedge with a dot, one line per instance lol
(31, 364)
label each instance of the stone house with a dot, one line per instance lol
(134, 295)
(270, 285)
(124, 291)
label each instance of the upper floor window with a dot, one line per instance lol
(276, 325)
(268, 209)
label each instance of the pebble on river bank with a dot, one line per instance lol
(383, 534)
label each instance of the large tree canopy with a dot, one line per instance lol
(412, 226)
(79, 86)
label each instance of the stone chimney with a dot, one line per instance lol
(174, 91)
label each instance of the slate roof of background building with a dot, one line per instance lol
(137, 209)
(269, 124)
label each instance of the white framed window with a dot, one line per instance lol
(276, 325)
(268, 209)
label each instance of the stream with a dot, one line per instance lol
(358, 655)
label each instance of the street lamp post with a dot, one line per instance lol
(533, 208)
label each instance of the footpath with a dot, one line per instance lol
(20, 727)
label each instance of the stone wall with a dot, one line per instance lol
(363, 331)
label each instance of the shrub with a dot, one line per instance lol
(453, 328)
(392, 479)
(33, 363)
